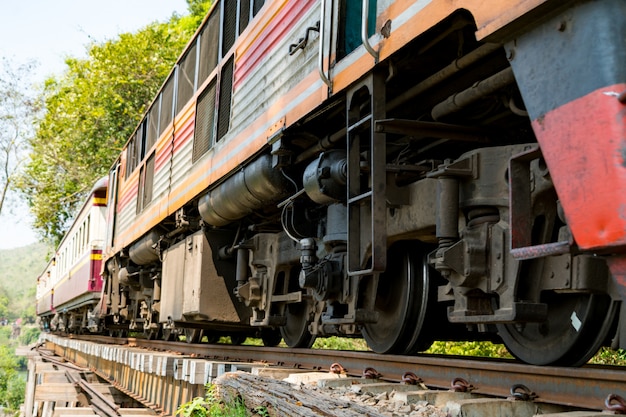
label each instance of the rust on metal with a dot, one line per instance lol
(615, 403)
(461, 385)
(336, 368)
(522, 392)
(371, 373)
(409, 378)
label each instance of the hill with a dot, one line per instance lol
(19, 269)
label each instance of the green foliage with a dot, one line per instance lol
(11, 385)
(212, 405)
(198, 9)
(20, 268)
(608, 356)
(29, 335)
(91, 111)
(5, 335)
(340, 343)
(485, 349)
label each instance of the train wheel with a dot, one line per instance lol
(576, 328)
(295, 332)
(193, 335)
(211, 337)
(237, 339)
(271, 337)
(402, 302)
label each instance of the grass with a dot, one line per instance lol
(212, 405)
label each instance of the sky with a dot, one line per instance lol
(48, 31)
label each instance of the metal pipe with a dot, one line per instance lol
(440, 76)
(477, 91)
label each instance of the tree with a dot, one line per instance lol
(17, 110)
(198, 9)
(91, 111)
(11, 386)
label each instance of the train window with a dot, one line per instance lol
(229, 25)
(186, 78)
(140, 190)
(153, 125)
(111, 205)
(209, 46)
(226, 92)
(350, 25)
(136, 148)
(205, 121)
(131, 156)
(167, 103)
(88, 229)
(257, 6)
(146, 180)
(141, 141)
(244, 14)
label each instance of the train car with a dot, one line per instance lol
(69, 288)
(398, 170)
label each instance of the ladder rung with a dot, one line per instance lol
(361, 272)
(360, 123)
(360, 197)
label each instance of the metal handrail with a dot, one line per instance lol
(320, 63)
(365, 29)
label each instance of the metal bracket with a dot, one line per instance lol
(302, 42)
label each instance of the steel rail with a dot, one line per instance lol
(586, 387)
(97, 401)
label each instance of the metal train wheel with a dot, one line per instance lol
(295, 332)
(271, 337)
(238, 338)
(576, 328)
(211, 337)
(401, 303)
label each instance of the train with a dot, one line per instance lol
(71, 284)
(402, 171)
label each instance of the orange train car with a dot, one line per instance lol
(399, 170)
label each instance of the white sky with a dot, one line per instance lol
(47, 31)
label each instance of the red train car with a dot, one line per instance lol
(70, 286)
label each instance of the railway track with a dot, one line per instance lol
(587, 388)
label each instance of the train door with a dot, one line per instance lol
(351, 18)
(346, 30)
